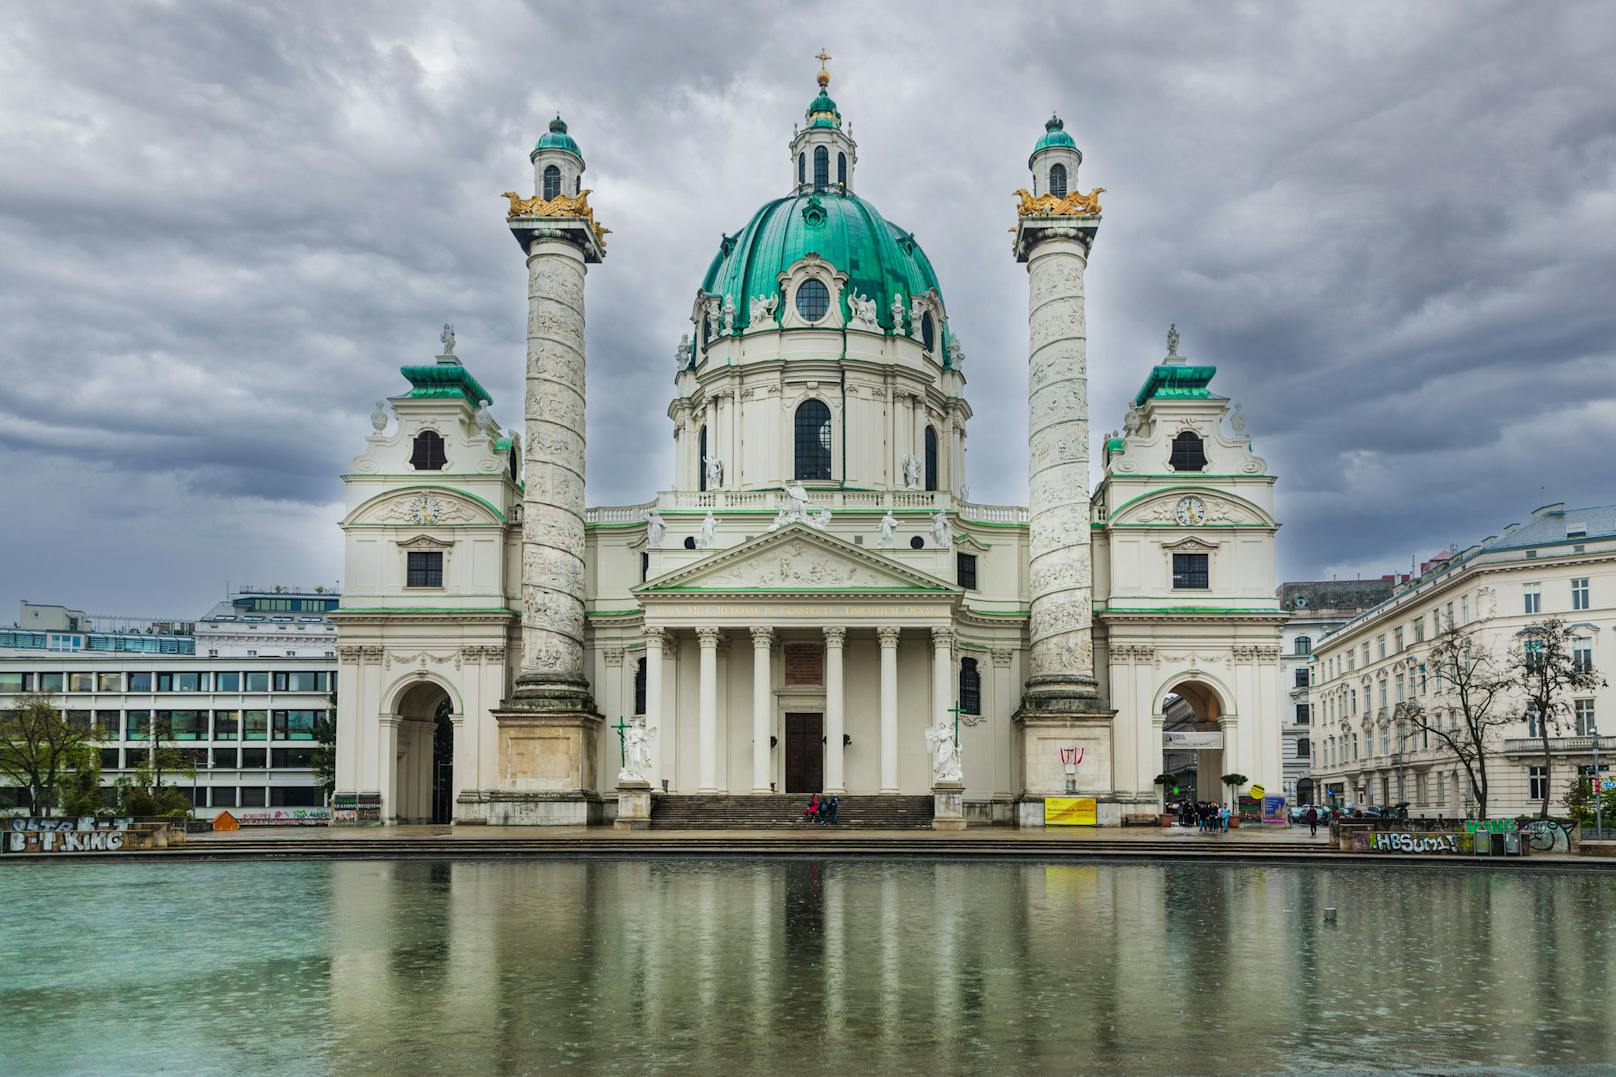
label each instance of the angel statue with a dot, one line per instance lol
(1172, 340)
(709, 533)
(889, 527)
(715, 471)
(941, 534)
(945, 756)
(681, 357)
(637, 763)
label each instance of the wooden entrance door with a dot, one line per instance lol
(805, 753)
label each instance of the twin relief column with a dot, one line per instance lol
(549, 731)
(1061, 707)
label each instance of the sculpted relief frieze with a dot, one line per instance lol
(796, 569)
(435, 508)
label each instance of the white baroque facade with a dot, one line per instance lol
(813, 604)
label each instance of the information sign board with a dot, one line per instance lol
(1070, 811)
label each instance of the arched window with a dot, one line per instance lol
(970, 687)
(428, 452)
(928, 331)
(813, 299)
(931, 458)
(802, 168)
(1057, 180)
(577, 183)
(552, 182)
(821, 167)
(1304, 644)
(841, 169)
(1188, 453)
(701, 459)
(639, 687)
(813, 440)
(706, 331)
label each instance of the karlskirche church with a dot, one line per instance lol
(811, 603)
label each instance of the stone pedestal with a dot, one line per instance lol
(633, 806)
(948, 806)
(548, 770)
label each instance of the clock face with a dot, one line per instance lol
(425, 509)
(1191, 511)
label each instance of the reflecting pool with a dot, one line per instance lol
(636, 966)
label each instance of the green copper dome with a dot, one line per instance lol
(1054, 135)
(557, 139)
(881, 260)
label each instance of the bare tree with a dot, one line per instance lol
(38, 747)
(1465, 712)
(1541, 671)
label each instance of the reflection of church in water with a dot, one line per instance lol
(815, 604)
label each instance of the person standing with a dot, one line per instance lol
(1312, 821)
(1223, 816)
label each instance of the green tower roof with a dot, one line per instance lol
(881, 260)
(1175, 381)
(1054, 135)
(556, 138)
(442, 380)
(822, 111)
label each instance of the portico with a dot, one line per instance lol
(758, 688)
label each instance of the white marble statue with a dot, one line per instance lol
(945, 756)
(862, 314)
(378, 416)
(448, 339)
(917, 314)
(956, 354)
(655, 530)
(681, 357)
(796, 511)
(715, 471)
(763, 309)
(711, 310)
(1131, 422)
(911, 473)
(729, 314)
(637, 763)
(1172, 341)
(1237, 418)
(965, 492)
(889, 528)
(709, 532)
(941, 534)
(897, 316)
(485, 420)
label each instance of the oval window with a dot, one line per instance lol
(813, 300)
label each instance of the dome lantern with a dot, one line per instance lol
(558, 163)
(1054, 160)
(822, 153)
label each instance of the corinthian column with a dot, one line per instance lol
(1062, 658)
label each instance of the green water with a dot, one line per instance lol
(799, 966)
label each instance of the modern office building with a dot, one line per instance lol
(240, 689)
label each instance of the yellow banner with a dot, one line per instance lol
(1070, 811)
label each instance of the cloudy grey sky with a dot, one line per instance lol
(223, 227)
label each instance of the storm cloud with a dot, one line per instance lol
(224, 227)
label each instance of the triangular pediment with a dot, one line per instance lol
(797, 559)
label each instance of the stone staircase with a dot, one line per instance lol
(782, 811)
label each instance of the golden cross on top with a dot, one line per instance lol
(823, 57)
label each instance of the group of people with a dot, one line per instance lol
(1207, 816)
(821, 809)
